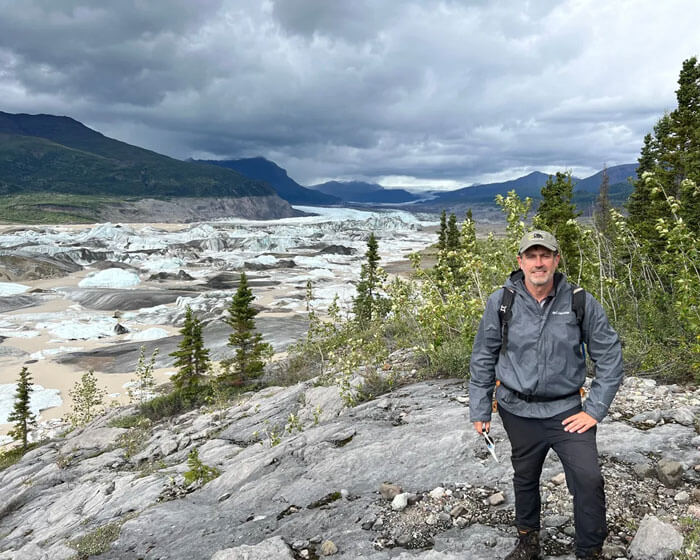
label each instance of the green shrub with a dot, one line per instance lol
(98, 541)
(199, 472)
(139, 432)
(129, 421)
(14, 454)
(175, 402)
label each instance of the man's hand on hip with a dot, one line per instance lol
(482, 427)
(579, 422)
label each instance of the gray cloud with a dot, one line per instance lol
(457, 91)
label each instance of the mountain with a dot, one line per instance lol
(585, 190)
(529, 185)
(616, 174)
(47, 153)
(358, 191)
(265, 170)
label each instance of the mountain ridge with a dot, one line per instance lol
(360, 191)
(532, 183)
(47, 153)
(263, 169)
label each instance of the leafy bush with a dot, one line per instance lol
(129, 421)
(175, 402)
(87, 399)
(199, 472)
(14, 454)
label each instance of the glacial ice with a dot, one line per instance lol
(154, 333)
(202, 250)
(111, 278)
(40, 399)
(11, 289)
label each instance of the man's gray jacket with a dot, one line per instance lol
(543, 356)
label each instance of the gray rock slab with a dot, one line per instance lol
(266, 416)
(271, 548)
(321, 404)
(655, 540)
(431, 445)
(98, 438)
(318, 482)
(478, 542)
(110, 299)
(20, 301)
(632, 445)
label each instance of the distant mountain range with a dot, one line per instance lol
(585, 190)
(262, 169)
(52, 154)
(358, 191)
(46, 153)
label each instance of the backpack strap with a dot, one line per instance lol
(578, 304)
(504, 314)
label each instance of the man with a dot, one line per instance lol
(540, 367)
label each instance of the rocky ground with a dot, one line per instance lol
(302, 476)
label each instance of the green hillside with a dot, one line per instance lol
(54, 208)
(45, 153)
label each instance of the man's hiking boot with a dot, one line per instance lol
(528, 547)
(596, 554)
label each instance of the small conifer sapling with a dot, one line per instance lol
(21, 414)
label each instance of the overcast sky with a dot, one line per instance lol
(399, 92)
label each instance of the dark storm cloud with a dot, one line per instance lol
(433, 90)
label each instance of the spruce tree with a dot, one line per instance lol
(556, 214)
(639, 203)
(191, 357)
(22, 414)
(369, 304)
(672, 155)
(452, 239)
(601, 212)
(442, 235)
(248, 362)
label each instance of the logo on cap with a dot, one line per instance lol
(537, 236)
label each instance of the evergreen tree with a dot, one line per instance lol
(442, 236)
(191, 357)
(672, 155)
(22, 414)
(452, 238)
(639, 204)
(248, 362)
(557, 215)
(87, 399)
(369, 303)
(601, 213)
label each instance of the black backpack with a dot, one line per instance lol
(505, 312)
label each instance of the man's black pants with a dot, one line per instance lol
(531, 439)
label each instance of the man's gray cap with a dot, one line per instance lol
(538, 237)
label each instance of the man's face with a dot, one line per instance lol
(538, 264)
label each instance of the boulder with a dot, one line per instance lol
(670, 472)
(271, 548)
(655, 540)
